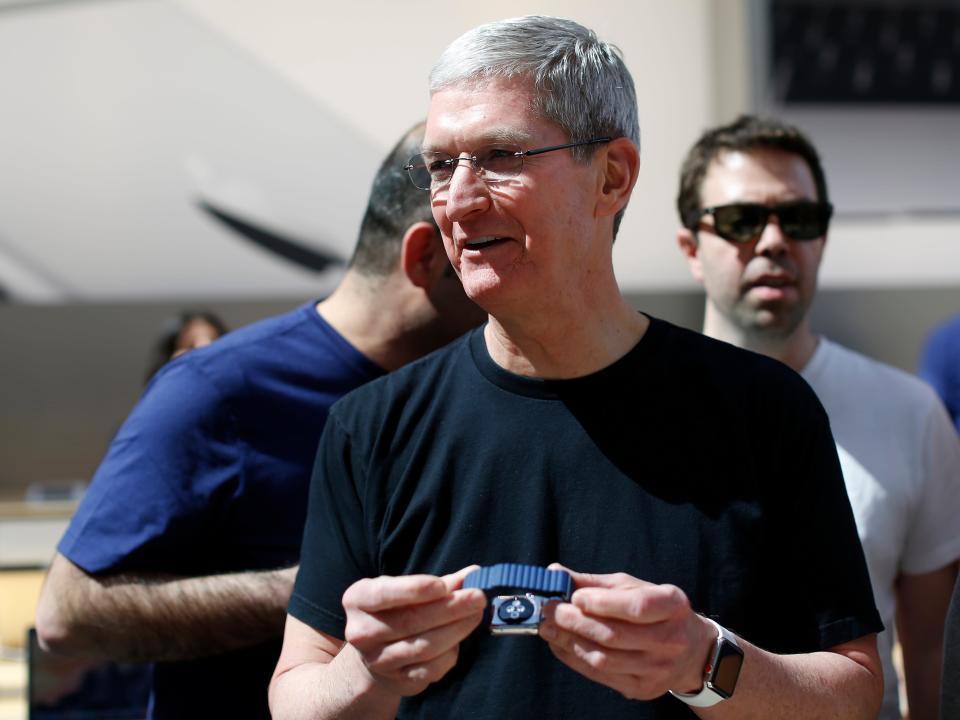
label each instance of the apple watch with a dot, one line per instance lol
(720, 673)
(517, 594)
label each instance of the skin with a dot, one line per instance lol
(196, 334)
(555, 311)
(548, 281)
(148, 617)
(758, 297)
(922, 602)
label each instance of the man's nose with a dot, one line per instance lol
(467, 192)
(772, 240)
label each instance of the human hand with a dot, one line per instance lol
(407, 630)
(636, 637)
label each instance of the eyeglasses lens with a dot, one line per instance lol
(497, 163)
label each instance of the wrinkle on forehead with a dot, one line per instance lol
(476, 118)
(489, 136)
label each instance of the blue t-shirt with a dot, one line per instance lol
(209, 474)
(940, 366)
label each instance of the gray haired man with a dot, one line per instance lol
(571, 429)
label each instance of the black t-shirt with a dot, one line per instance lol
(687, 461)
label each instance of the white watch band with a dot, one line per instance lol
(707, 697)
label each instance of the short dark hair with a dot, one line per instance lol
(394, 205)
(747, 132)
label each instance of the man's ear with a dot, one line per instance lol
(687, 242)
(421, 254)
(620, 173)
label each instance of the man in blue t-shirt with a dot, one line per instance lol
(184, 550)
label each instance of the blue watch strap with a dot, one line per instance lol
(509, 578)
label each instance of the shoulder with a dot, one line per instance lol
(856, 374)
(280, 341)
(945, 336)
(721, 367)
(258, 342)
(940, 357)
(418, 382)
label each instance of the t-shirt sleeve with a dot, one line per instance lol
(157, 493)
(932, 539)
(823, 573)
(337, 550)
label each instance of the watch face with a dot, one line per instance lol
(726, 669)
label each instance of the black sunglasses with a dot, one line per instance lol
(743, 222)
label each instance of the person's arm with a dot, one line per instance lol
(402, 634)
(643, 639)
(922, 602)
(150, 617)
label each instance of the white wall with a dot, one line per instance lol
(369, 61)
(120, 113)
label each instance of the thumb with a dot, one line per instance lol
(454, 581)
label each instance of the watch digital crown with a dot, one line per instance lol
(517, 594)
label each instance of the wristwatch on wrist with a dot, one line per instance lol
(517, 594)
(720, 673)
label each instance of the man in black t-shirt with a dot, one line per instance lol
(679, 475)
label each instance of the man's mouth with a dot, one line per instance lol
(770, 281)
(483, 242)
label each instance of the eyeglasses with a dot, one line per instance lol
(743, 222)
(494, 163)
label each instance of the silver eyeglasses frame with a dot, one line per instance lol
(418, 166)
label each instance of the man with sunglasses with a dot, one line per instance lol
(570, 429)
(754, 206)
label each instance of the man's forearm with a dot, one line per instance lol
(339, 689)
(922, 602)
(809, 686)
(149, 617)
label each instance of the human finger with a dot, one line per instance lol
(609, 632)
(602, 580)
(424, 673)
(385, 592)
(631, 686)
(425, 647)
(646, 603)
(368, 629)
(454, 581)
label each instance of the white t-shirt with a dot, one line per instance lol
(901, 463)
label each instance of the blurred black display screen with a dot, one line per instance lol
(69, 688)
(862, 52)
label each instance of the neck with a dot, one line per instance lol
(374, 315)
(793, 349)
(566, 340)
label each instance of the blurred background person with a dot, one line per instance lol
(186, 331)
(754, 208)
(940, 365)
